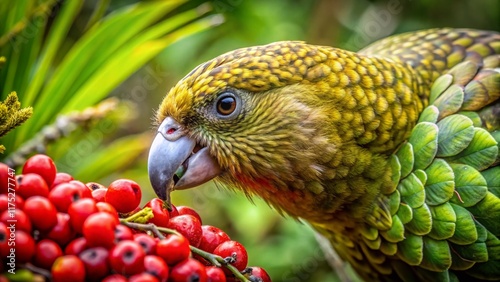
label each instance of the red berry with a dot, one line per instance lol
(86, 192)
(147, 243)
(96, 263)
(62, 233)
(76, 246)
(7, 179)
(127, 258)
(259, 274)
(16, 201)
(173, 212)
(68, 268)
(25, 247)
(123, 233)
(188, 270)
(61, 177)
(187, 210)
(99, 230)
(124, 195)
(160, 212)
(4, 241)
(115, 278)
(41, 165)
(66, 193)
(46, 252)
(215, 274)
(211, 238)
(105, 207)
(99, 195)
(188, 226)
(236, 251)
(173, 249)
(143, 277)
(22, 220)
(42, 213)
(31, 184)
(79, 211)
(156, 266)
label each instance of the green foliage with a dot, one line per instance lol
(11, 115)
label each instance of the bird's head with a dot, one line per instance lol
(248, 117)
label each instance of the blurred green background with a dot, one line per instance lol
(63, 57)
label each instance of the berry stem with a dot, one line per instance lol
(158, 232)
(38, 270)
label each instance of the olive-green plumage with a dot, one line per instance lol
(391, 152)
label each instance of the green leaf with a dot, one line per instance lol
(429, 114)
(439, 86)
(406, 159)
(443, 221)
(455, 134)
(437, 255)
(465, 228)
(412, 191)
(459, 263)
(487, 212)
(421, 222)
(410, 250)
(481, 152)
(394, 202)
(405, 213)
(470, 185)
(395, 167)
(424, 140)
(388, 248)
(477, 252)
(440, 183)
(450, 101)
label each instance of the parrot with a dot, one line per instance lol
(390, 153)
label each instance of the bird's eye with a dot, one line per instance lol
(226, 104)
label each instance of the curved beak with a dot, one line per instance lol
(176, 162)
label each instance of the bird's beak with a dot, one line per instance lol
(176, 162)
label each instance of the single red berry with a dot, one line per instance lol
(212, 237)
(46, 252)
(189, 270)
(173, 249)
(188, 226)
(42, 213)
(105, 207)
(99, 230)
(187, 210)
(62, 233)
(79, 211)
(22, 221)
(77, 246)
(160, 212)
(235, 251)
(259, 274)
(96, 263)
(4, 241)
(215, 274)
(86, 191)
(61, 177)
(127, 258)
(147, 243)
(41, 165)
(143, 277)
(7, 201)
(25, 246)
(7, 179)
(31, 184)
(156, 266)
(68, 268)
(66, 193)
(124, 195)
(99, 195)
(122, 233)
(115, 278)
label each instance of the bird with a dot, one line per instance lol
(390, 153)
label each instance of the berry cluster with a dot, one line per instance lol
(54, 226)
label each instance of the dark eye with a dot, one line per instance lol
(226, 105)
